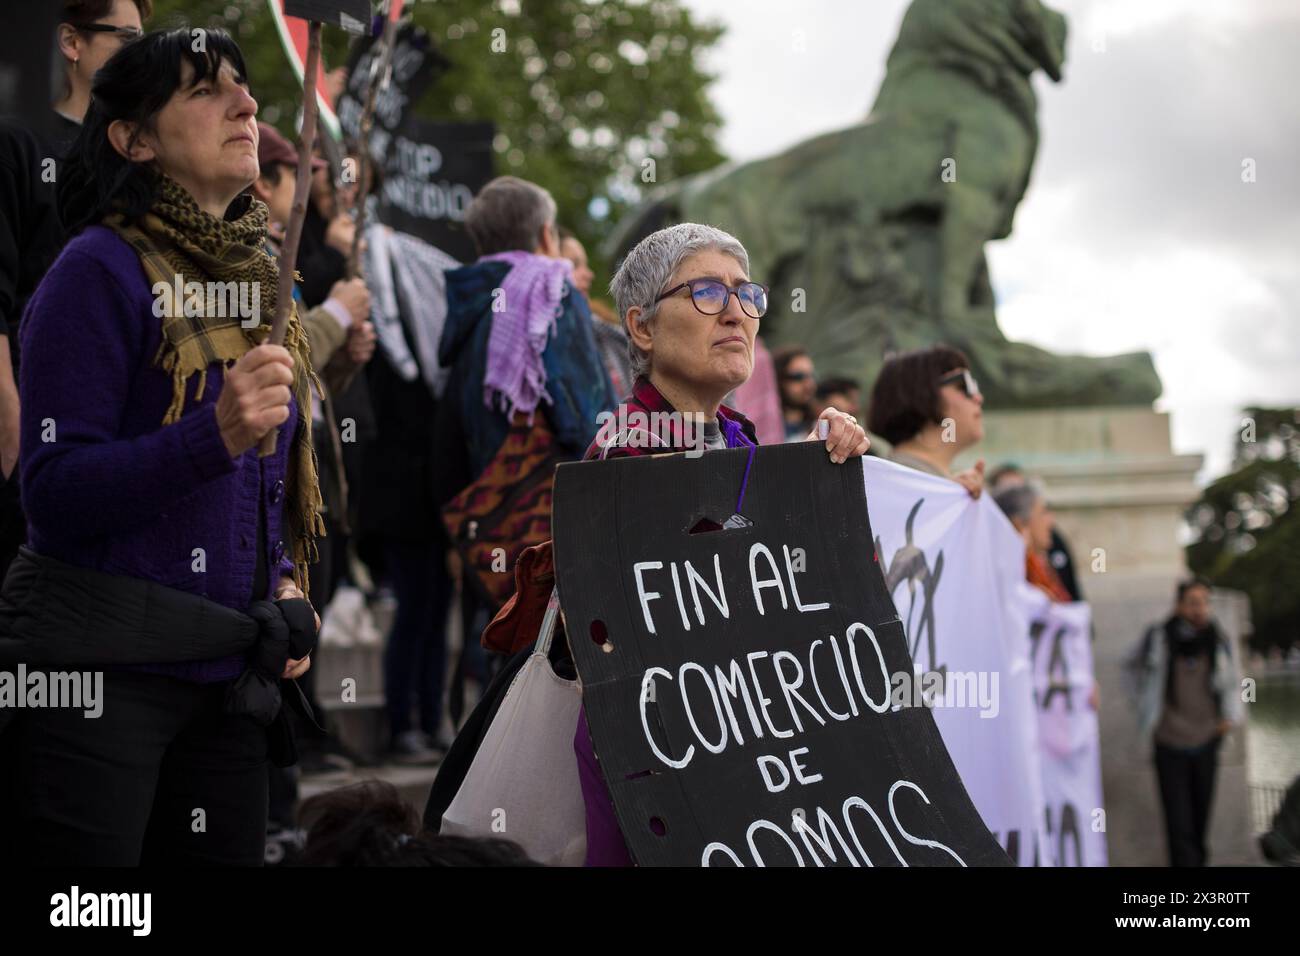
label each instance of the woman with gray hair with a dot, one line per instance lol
(1026, 508)
(691, 313)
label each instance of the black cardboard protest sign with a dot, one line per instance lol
(416, 63)
(351, 15)
(432, 173)
(736, 682)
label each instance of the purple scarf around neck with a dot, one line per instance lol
(530, 294)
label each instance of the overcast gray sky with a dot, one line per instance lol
(1137, 231)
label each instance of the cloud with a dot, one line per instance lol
(789, 72)
(1138, 230)
(1157, 128)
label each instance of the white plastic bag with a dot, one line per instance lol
(523, 784)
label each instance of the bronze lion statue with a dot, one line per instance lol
(872, 237)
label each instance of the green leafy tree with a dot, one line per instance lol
(1246, 526)
(597, 100)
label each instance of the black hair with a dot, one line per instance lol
(905, 396)
(272, 172)
(837, 384)
(368, 824)
(1001, 471)
(133, 86)
(1195, 581)
(783, 356)
(781, 361)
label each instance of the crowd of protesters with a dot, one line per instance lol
(418, 407)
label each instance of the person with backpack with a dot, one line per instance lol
(1188, 696)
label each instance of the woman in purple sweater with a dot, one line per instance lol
(142, 412)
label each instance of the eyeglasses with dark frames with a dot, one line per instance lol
(963, 379)
(711, 296)
(124, 34)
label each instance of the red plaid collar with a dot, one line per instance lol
(648, 399)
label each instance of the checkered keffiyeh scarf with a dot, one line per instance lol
(178, 239)
(531, 293)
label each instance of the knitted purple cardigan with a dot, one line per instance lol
(104, 485)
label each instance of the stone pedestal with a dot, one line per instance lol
(1119, 493)
(1116, 486)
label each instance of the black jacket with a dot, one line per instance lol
(1063, 561)
(321, 264)
(55, 614)
(400, 468)
(31, 234)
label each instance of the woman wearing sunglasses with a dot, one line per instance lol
(91, 32)
(927, 404)
(797, 382)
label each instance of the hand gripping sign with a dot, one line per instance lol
(737, 680)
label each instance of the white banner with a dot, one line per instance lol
(1060, 647)
(955, 568)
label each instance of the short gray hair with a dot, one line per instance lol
(1017, 502)
(509, 213)
(644, 273)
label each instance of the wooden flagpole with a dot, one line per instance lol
(378, 80)
(301, 190)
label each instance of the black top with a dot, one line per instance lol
(404, 461)
(31, 234)
(321, 265)
(1063, 561)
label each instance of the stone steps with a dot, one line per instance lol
(350, 686)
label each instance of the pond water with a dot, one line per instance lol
(1273, 738)
(1272, 742)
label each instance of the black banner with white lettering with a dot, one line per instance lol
(432, 173)
(737, 681)
(416, 63)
